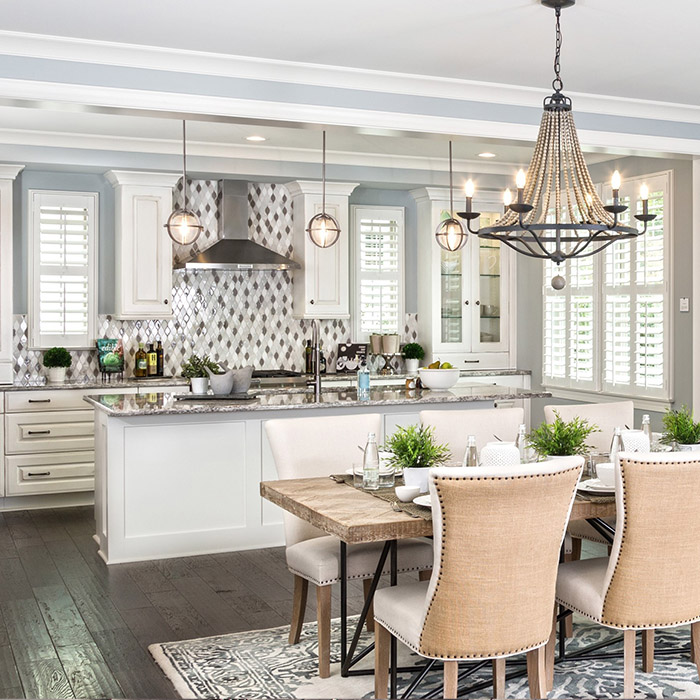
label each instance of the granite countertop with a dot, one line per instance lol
(403, 375)
(116, 384)
(127, 405)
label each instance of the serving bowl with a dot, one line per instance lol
(438, 378)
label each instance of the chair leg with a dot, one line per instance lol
(301, 590)
(449, 682)
(695, 644)
(648, 651)
(549, 651)
(574, 556)
(499, 678)
(575, 549)
(323, 616)
(382, 641)
(369, 622)
(536, 673)
(425, 575)
(630, 640)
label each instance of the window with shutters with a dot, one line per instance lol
(63, 262)
(608, 330)
(379, 270)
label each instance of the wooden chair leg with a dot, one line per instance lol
(536, 673)
(425, 575)
(382, 642)
(499, 678)
(301, 590)
(369, 622)
(575, 549)
(630, 640)
(323, 616)
(549, 650)
(695, 644)
(648, 651)
(449, 682)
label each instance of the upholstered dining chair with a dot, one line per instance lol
(652, 577)
(320, 446)
(453, 427)
(498, 533)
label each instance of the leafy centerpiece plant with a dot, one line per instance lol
(415, 450)
(562, 438)
(57, 361)
(680, 428)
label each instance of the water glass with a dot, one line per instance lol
(357, 475)
(386, 477)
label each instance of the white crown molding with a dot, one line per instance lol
(249, 68)
(298, 188)
(118, 178)
(10, 171)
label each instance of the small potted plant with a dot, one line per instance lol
(415, 450)
(562, 438)
(57, 361)
(680, 429)
(413, 353)
(195, 369)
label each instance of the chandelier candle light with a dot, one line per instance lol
(323, 229)
(557, 213)
(183, 224)
(450, 233)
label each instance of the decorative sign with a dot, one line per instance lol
(350, 356)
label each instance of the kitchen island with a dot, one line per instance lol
(179, 478)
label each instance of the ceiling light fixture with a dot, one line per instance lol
(323, 229)
(450, 233)
(557, 213)
(487, 154)
(183, 224)
(257, 139)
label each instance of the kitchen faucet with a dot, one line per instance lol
(316, 361)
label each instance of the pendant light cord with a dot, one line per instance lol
(451, 203)
(184, 165)
(558, 83)
(323, 175)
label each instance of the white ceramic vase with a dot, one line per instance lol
(411, 365)
(199, 385)
(689, 448)
(57, 375)
(390, 344)
(499, 454)
(417, 476)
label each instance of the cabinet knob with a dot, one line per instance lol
(311, 301)
(165, 301)
(466, 303)
(478, 302)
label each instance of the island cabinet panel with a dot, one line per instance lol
(271, 514)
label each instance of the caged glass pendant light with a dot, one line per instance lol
(183, 224)
(450, 233)
(323, 229)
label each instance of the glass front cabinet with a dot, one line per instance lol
(464, 297)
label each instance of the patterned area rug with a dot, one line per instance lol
(260, 664)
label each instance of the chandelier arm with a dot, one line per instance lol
(537, 240)
(514, 247)
(600, 249)
(471, 230)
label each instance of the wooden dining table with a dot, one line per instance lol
(355, 516)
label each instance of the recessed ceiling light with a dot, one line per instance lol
(255, 138)
(487, 154)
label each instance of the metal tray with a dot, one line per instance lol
(215, 397)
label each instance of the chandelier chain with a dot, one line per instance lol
(558, 83)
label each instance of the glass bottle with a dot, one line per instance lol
(363, 381)
(370, 464)
(152, 361)
(616, 446)
(308, 353)
(521, 443)
(471, 458)
(141, 362)
(646, 427)
(161, 358)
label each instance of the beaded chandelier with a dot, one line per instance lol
(558, 214)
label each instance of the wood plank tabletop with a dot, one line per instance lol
(355, 516)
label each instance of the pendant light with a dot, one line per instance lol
(183, 224)
(323, 229)
(450, 233)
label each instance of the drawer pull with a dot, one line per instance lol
(38, 400)
(473, 362)
(30, 474)
(38, 432)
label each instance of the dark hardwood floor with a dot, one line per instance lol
(72, 627)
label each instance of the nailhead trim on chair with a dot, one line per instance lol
(622, 544)
(352, 578)
(442, 553)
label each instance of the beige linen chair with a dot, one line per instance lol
(652, 577)
(306, 447)
(498, 534)
(453, 427)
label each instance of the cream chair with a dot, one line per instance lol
(453, 427)
(306, 447)
(497, 536)
(652, 577)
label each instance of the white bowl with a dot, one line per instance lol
(438, 378)
(406, 494)
(606, 473)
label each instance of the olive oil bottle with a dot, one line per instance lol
(152, 361)
(141, 364)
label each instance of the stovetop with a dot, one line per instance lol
(272, 373)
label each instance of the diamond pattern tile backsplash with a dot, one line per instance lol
(238, 318)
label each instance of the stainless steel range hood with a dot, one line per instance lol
(235, 250)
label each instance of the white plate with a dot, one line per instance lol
(381, 471)
(422, 501)
(595, 486)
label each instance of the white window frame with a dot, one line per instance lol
(377, 211)
(90, 200)
(596, 390)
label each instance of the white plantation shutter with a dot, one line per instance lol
(63, 246)
(379, 270)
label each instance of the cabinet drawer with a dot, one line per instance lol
(176, 389)
(475, 360)
(49, 432)
(50, 473)
(29, 401)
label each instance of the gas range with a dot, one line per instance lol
(278, 377)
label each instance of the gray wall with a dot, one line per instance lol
(69, 182)
(530, 285)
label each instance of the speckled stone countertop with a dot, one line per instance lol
(115, 384)
(127, 405)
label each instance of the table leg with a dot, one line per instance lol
(393, 662)
(343, 607)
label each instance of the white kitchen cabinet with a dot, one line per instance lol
(465, 298)
(8, 173)
(143, 249)
(60, 472)
(27, 433)
(321, 287)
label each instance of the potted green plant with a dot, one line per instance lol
(57, 361)
(195, 369)
(413, 353)
(415, 450)
(681, 429)
(562, 438)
